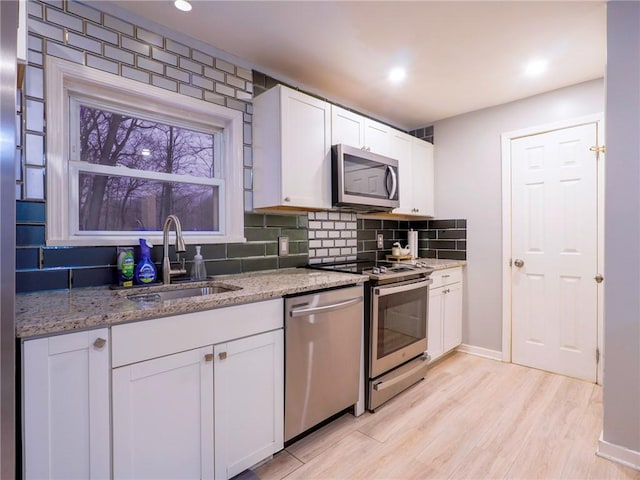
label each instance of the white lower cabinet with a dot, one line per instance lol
(445, 312)
(66, 421)
(163, 417)
(249, 380)
(205, 412)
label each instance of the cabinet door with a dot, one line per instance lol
(249, 401)
(346, 127)
(163, 417)
(66, 406)
(377, 137)
(422, 178)
(434, 333)
(306, 150)
(452, 323)
(401, 150)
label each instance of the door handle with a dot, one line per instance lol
(303, 312)
(518, 262)
(394, 181)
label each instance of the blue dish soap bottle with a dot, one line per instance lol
(145, 272)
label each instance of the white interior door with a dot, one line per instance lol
(554, 247)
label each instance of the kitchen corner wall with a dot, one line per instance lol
(81, 34)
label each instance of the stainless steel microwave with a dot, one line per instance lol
(363, 180)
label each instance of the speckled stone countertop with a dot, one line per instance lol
(442, 263)
(56, 311)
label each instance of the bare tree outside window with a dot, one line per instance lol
(126, 200)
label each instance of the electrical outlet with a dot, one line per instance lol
(380, 240)
(283, 246)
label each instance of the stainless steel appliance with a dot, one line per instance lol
(363, 180)
(323, 339)
(395, 325)
(8, 75)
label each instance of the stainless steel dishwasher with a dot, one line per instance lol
(323, 335)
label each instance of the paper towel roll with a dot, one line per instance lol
(413, 243)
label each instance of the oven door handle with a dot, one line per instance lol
(304, 312)
(390, 383)
(382, 291)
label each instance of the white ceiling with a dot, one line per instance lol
(460, 56)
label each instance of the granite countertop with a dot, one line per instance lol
(442, 263)
(57, 311)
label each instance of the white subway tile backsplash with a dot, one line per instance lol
(102, 33)
(214, 97)
(191, 91)
(35, 82)
(165, 83)
(177, 74)
(34, 9)
(340, 226)
(34, 183)
(35, 116)
(84, 43)
(135, 74)
(244, 73)
(102, 64)
(119, 25)
(334, 234)
(322, 215)
(34, 43)
(34, 58)
(34, 148)
(334, 216)
(322, 234)
(202, 82)
(226, 66)
(315, 243)
(225, 90)
(135, 46)
(176, 47)
(328, 225)
(315, 224)
(164, 57)
(151, 65)
(214, 74)
(66, 53)
(83, 11)
(46, 30)
(328, 243)
(190, 65)
(202, 58)
(149, 37)
(118, 54)
(55, 16)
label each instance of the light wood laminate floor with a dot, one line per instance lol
(471, 418)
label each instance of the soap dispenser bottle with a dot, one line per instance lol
(145, 272)
(198, 270)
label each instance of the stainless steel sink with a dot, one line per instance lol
(180, 293)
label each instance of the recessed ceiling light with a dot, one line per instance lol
(182, 5)
(535, 67)
(397, 75)
(145, 152)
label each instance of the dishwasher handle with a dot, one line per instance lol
(303, 312)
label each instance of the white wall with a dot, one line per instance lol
(468, 172)
(622, 232)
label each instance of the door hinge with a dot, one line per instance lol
(597, 356)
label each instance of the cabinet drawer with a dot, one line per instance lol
(446, 277)
(138, 341)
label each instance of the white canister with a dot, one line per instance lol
(413, 243)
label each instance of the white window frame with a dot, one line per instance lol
(66, 80)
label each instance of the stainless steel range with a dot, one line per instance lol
(397, 305)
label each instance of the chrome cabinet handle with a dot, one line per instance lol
(518, 263)
(99, 342)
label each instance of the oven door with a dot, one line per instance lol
(398, 324)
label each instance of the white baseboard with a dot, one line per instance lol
(480, 352)
(618, 454)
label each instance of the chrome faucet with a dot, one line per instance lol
(167, 272)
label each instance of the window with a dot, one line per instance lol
(123, 155)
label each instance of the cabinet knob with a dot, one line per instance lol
(222, 355)
(99, 342)
(287, 199)
(208, 357)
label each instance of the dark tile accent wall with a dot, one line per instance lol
(45, 268)
(425, 133)
(436, 238)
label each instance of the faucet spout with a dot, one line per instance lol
(167, 271)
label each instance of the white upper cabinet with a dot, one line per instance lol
(401, 150)
(416, 175)
(357, 131)
(291, 150)
(66, 406)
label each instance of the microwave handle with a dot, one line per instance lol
(394, 181)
